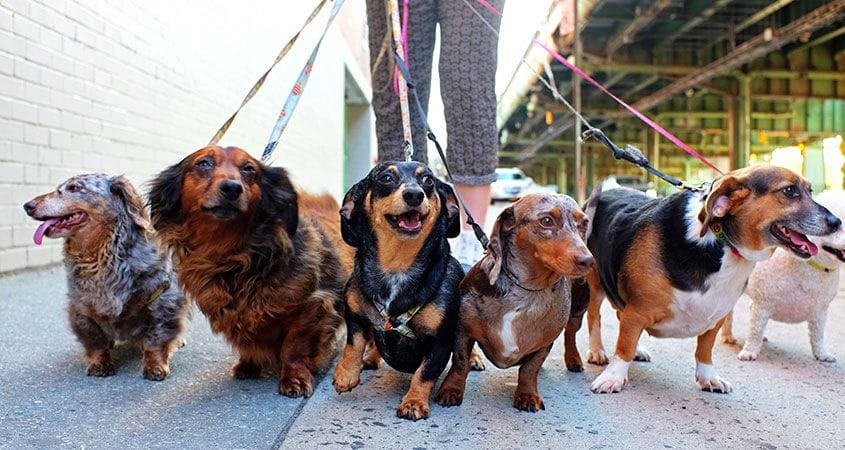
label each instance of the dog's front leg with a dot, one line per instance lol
(705, 373)
(414, 405)
(96, 343)
(728, 329)
(347, 374)
(451, 392)
(757, 321)
(527, 397)
(615, 376)
(816, 327)
(570, 353)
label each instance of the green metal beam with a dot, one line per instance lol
(641, 20)
(701, 16)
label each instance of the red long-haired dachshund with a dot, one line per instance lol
(266, 264)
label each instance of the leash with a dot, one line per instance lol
(476, 228)
(296, 93)
(630, 153)
(255, 87)
(400, 37)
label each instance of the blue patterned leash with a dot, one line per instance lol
(255, 87)
(298, 88)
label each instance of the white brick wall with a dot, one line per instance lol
(133, 86)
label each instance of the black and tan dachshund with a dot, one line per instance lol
(404, 290)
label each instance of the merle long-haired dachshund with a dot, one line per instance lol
(266, 264)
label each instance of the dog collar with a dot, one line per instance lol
(399, 323)
(818, 266)
(719, 232)
(165, 285)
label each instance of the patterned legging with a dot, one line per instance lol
(467, 76)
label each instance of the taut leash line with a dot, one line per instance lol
(295, 93)
(255, 87)
(630, 154)
(476, 228)
(402, 77)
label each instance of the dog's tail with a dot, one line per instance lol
(590, 207)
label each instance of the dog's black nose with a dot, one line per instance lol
(413, 196)
(584, 262)
(231, 189)
(29, 207)
(833, 222)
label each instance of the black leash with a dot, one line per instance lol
(634, 156)
(476, 228)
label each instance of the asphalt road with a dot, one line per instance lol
(785, 399)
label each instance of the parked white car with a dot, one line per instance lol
(511, 184)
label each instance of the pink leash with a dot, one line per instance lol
(595, 83)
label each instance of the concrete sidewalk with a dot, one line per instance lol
(786, 399)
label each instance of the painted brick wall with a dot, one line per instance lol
(129, 87)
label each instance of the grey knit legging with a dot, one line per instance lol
(467, 76)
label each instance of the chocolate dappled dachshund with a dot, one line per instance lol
(516, 299)
(403, 292)
(266, 264)
(676, 266)
(120, 286)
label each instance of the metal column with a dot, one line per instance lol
(576, 92)
(743, 150)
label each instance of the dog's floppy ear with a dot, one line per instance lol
(452, 209)
(350, 214)
(279, 198)
(123, 190)
(491, 264)
(582, 223)
(165, 196)
(727, 193)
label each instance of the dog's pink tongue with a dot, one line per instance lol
(409, 221)
(38, 237)
(800, 239)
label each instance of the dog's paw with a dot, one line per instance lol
(528, 401)
(476, 362)
(156, 373)
(573, 362)
(245, 370)
(728, 338)
(295, 387)
(746, 355)
(413, 409)
(101, 369)
(449, 396)
(607, 383)
(371, 363)
(345, 380)
(709, 380)
(597, 357)
(642, 355)
(825, 357)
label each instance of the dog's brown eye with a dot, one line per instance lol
(791, 192)
(547, 221)
(427, 180)
(386, 178)
(248, 169)
(204, 164)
